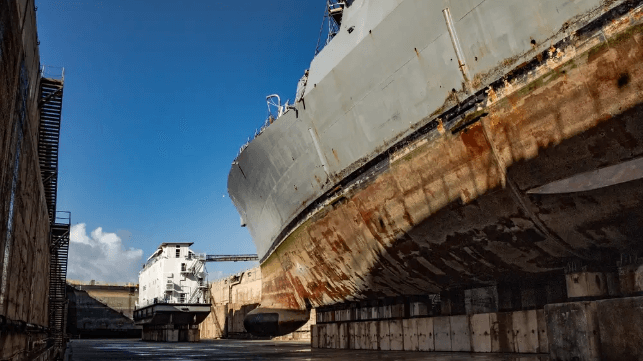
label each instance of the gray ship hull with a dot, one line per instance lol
(498, 143)
(386, 80)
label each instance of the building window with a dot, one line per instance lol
(182, 298)
(178, 251)
(182, 267)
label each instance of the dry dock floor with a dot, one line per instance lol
(117, 350)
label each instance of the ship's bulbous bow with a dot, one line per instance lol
(274, 322)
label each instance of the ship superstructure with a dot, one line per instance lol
(173, 294)
(173, 274)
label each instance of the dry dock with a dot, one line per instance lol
(99, 350)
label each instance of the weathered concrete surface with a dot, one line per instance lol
(621, 328)
(522, 332)
(24, 222)
(89, 317)
(586, 284)
(631, 278)
(119, 297)
(442, 332)
(232, 350)
(425, 334)
(481, 300)
(573, 331)
(481, 333)
(595, 330)
(232, 298)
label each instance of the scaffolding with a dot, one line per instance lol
(331, 23)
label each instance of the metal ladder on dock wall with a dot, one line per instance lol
(50, 105)
(59, 252)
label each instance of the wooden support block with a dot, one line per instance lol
(321, 341)
(333, 332)
(460, 334)
(343, 336)
(384, 335)
(326, 336)
(442, 333)
(621, 328)
(480, 325)
(481, 300)
(385, 312)
(314, 336)
(410, 329)
(572, 330)
(525, 327)
(365, 313)
(397, 335)
(397, 310)
(355, 335)
(372, 328)
(502, 337)
(425, 334)
(366, 337)
(543, 342)
(586, 284)
(375, 311)
(419, 309)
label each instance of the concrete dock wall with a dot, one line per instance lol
(506, 332)
(24, 222)
(89, 316)
(119, 297)
(591, 320)
(232, 298)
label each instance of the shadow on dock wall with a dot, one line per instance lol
(90, 318)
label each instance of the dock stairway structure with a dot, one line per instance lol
(198, 264)
(51, 94)
(50, 105)
(59, 252)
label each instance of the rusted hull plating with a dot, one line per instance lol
(461, 207)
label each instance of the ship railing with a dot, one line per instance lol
(275, 111)
(52, 72)
(335, 7)
(149, 263)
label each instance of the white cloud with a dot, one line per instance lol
(101, 256)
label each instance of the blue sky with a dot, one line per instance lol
(159, 96)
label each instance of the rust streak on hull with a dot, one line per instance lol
(455, 211)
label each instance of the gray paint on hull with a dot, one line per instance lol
(386, 86)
